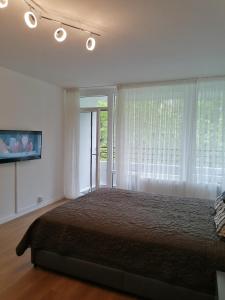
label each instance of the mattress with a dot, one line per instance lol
(166, 238)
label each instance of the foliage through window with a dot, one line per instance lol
(172, 135)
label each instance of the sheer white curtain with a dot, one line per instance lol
(71, 143)
(164, 140)
(209, 150)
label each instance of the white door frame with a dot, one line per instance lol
(110, 94)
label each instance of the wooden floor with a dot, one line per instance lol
(20, 281)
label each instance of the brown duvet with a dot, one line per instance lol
(166, 238)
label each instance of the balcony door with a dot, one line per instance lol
(95, 142)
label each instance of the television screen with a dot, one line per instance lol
(20, 145)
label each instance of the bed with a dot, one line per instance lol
(153, 246)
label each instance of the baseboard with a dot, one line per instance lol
(30, 208)
(26, 210)
(7, 218)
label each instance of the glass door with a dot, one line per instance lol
(95, 141)
(89, 150)
(103, 147)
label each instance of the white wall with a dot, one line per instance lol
(30, 104)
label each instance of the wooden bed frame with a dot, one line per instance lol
(120, 280)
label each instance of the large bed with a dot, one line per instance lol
(153, 246)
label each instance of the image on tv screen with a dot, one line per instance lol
(20, 145)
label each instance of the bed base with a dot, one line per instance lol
(114, 278)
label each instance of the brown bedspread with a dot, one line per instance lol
(166, 238)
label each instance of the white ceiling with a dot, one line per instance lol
(142, 40)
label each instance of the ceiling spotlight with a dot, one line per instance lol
(3, 3)
(90, 44)
(30, 19)
(60, 34)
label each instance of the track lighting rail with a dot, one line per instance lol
(36, 12)
(71, 26)
(44, 15)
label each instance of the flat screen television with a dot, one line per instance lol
(19, 145)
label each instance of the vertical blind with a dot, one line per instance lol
(170, 139)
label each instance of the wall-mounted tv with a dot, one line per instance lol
(19, 145)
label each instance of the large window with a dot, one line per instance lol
(210, 133)
(171, 138)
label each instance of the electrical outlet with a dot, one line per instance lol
(40, 199)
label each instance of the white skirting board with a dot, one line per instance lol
(26, 210)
